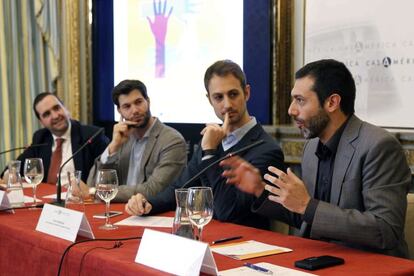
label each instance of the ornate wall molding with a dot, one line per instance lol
(282, 59)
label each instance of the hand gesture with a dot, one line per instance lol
(290, 191)
(138, 205)
(120, 135)
(243, 175)
(213, 134)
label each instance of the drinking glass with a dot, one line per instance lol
(74, 197)
(200, 207)
(182, 225)
(33, 173)
(107, 188)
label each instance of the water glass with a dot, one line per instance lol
(106, 189)
(200, 207)
(33, 173)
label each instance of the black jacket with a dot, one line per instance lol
(84, 160)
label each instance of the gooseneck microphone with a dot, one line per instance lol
(25, 147)
(243, 149)
(59, 184)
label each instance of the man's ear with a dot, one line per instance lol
(333, 102)
(208, 97)
(41, 123)
(119, 111)
(247, 92)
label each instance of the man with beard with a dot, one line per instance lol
(146, 154)
(228, 93)
(62, 137)
(355, 175)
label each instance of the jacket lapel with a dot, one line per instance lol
(152, 139)
(344, 156)
(75, 136)
(46, 153)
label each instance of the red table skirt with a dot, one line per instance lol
(24, 251)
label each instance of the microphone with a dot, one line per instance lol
(25, 147)
(243, 149)
(59, 184)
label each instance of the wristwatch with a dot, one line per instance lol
(208, 152)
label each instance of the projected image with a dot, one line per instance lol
(168, 44)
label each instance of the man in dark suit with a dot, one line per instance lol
(55, 119)
(228, 93)
(355, 175)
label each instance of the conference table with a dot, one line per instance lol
(25, 251)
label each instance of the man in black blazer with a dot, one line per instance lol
(56, 121)
(228, 93)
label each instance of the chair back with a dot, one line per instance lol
(409, 224)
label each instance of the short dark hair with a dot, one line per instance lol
(125, 87)
(223, 68)
(331, 77)
(40, 97)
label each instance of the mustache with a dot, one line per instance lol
(296, 119)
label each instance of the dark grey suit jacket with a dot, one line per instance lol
(368, 201)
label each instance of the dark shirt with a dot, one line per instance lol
(326, 154)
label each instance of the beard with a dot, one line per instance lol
(316, 125)
(145, 120)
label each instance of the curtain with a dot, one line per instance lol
(44, 46)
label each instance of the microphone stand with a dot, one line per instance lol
(243, 149)
(25, 147)
(59, 201)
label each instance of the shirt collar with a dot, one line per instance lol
(234, 137)
(324, 151)
(147, 133)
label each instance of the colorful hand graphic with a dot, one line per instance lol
(159, 30)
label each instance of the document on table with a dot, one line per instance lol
(53, 196)
(248, 249)
(275, 270)
(27, 199)
(24, 185)
(150, 221)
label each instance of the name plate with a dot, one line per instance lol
(175, 254)
(4, 202)
(63, 223)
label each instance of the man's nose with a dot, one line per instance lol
(292, 111)
(134, 108)
(227, 102)
(55, 114)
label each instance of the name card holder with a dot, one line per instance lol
(63, 223)
(175, 254)
(5, 202)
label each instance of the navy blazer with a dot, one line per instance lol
(230, 204)
(79, 134)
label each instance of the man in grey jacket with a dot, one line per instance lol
(355, 175)
(146, 154)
